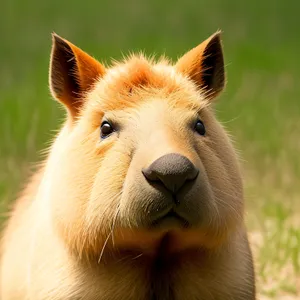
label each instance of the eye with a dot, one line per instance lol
(106, 129)
(200, 128)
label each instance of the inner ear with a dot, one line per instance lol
(64, 70)
(212, 66)
(204, 65)
(72, 73)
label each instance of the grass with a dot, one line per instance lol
(260, 106)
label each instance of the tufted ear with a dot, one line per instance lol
(72, 73)
(204, 64)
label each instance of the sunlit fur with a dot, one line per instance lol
(79, 231)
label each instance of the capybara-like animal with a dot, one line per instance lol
(140, 196)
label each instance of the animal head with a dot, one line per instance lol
(141, 156)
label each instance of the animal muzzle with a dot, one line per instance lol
(172, 171)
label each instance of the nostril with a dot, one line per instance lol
(193, 174)
(171, 170)
(150, 174)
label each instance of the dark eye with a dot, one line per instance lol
(199, 127)
(106, 129)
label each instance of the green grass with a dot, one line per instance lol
(260, 106)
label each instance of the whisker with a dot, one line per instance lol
(104, 245)
(226, 204)
(225, 193)
(114, 223)
(136, 257)
(110, 233)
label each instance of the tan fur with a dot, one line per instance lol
(78, 231)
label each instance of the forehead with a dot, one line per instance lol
(136, 80)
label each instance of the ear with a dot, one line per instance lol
(205, 66)
(72, 73)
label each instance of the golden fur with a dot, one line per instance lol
(80, 230)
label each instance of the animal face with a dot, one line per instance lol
(141, 157)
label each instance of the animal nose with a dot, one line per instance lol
(172, 171)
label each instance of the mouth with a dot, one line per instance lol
(171, 220)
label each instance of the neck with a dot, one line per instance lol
(137, 276)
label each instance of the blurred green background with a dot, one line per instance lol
(260, 107)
